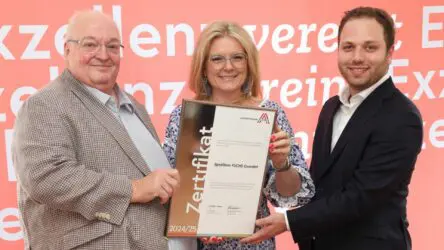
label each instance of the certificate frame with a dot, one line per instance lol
(214, 159)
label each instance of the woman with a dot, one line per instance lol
(225, 69)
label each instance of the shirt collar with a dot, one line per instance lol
(344, 93)
(124, 100)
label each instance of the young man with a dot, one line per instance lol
(365, 148)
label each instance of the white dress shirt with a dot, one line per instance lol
(348, 107)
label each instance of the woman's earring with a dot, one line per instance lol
(246, 87)
(206, 86)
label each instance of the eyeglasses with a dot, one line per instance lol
(91, 45)
(237, 60)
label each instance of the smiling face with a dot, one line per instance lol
(95, 68)
(226, 68)
(363, 57)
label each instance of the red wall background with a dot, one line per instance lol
(297, 43)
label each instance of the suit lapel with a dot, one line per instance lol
(368, 108)
(107, 119)
(328, 130)
(323, 140)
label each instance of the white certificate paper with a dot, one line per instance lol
(221, 156)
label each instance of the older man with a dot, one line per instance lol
(91, 172)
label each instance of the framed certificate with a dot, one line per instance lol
(221, 156)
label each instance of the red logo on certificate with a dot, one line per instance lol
(263, 118)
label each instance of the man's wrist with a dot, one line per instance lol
(286, 221)
(134, 192)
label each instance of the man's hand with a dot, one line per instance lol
(270, 227)
(160, 183)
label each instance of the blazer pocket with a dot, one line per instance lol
(86, 234)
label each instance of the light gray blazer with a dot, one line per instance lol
(74, 162)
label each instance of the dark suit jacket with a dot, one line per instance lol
(362, 185)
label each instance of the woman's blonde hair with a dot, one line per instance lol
(200, 58)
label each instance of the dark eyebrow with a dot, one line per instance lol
(365, 43)
(346, 43)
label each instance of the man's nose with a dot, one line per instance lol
(358, 55)
(102, 52)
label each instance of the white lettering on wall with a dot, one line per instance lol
(5, 234)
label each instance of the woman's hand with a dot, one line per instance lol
(279, 148)
(211, 240)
